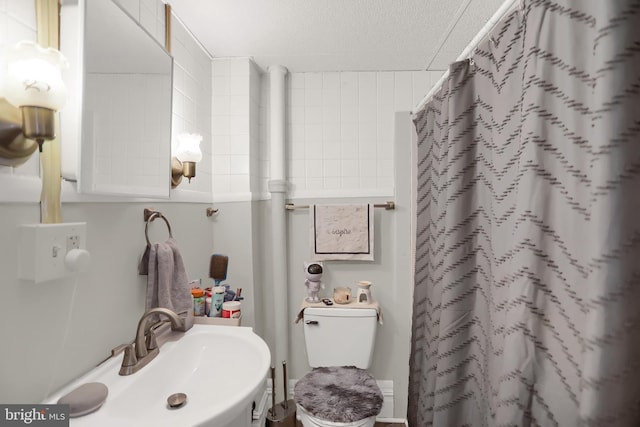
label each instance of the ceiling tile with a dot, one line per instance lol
(335, 35)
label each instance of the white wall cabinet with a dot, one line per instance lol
(116, 127)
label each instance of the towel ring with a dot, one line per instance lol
(153, 216)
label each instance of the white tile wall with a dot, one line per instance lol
(129, 156)
(192, 107)
(148, 13)
(340, 128)
(235, 107)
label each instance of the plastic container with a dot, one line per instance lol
(207, 302)
(342, 295)
(231, 309)
(198, 302)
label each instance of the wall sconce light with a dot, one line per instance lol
(187, 155)
(32, 88)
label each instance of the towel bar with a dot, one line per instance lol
(150, 215)
(388, 206)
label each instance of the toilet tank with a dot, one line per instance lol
(339, 336)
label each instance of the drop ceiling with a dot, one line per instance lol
(337, 35)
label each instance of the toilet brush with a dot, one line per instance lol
(287, 403)
(282, 414)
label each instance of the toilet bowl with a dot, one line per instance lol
(338, 391)
(309, 420)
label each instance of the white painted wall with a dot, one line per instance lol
(55, 331)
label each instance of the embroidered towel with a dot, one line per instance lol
(341, 232)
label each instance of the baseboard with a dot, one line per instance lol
(386, 387)
(386, 413)
(392, 421)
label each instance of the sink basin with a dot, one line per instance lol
(219, 368)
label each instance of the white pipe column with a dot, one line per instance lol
(278, 189)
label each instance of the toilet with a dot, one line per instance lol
(338, 392)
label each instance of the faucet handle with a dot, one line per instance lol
(150, 341)
(119, 349)
(130, 358)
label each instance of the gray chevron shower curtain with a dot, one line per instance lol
(527, 282)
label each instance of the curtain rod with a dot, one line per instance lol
(388, 206)
(506, 7)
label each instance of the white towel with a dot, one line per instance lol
(341, 232)
(167, 283)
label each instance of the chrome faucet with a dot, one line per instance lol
(144, 348)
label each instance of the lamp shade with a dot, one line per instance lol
(189, 147)
(33, 76)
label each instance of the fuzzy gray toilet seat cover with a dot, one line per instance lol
(341, 394)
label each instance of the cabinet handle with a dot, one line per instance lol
(311, 322)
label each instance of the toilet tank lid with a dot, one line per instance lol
(340, 312)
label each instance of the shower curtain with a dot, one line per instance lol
(527, 275)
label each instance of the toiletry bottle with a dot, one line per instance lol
(207, 302)
(198, 301)
(217, 298)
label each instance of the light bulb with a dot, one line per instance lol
(33, 76)
(188, 152)
(189, 147)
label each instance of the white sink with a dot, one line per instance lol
(219, 368)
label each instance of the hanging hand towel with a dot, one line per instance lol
(167, 282)
(341, 232)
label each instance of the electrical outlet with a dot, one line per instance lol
(43, 248)
(73, 242)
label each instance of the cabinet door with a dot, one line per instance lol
(116, 135)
